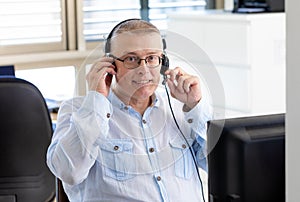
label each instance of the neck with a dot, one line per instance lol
(138, 104)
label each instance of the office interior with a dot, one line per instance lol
(253, 53)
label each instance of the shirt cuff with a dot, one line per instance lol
(95, 102)
(91, 120)
(199, 116)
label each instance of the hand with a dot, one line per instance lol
(184, 87)
(99, 77)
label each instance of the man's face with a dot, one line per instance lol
(141, 82)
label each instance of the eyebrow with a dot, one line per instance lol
(147, 53)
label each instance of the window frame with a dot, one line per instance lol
(41, 47)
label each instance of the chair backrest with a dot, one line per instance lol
(61, 196)
(25, 134)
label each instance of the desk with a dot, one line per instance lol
(53, 116)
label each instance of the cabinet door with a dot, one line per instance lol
(190, 29)
(227, 42)
(237, 87)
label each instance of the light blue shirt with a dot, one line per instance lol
(103, 150)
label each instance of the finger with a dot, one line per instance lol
(174, 72)
(171, 74)
(186, 86)
(102, 74)
(110, 70)
(189, 82)
(171, 86)
(97, 76)
(104, 61)
(98, 67)
(181, 83)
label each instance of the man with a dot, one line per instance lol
(120, 142)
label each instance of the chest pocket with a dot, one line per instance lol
(183, 160)
(118, 159)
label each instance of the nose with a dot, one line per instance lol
(144, 63)
(143, 69)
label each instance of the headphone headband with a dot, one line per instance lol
(110, 35)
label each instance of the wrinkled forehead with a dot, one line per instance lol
(133, 41)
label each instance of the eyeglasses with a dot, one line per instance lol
(132, 62)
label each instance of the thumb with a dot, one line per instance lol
(171, 86)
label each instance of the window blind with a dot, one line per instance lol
(30, 22)
(101, 16)
(159, 9)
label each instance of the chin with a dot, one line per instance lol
(145, 91)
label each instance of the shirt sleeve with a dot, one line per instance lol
(81, 122)
(198, 118)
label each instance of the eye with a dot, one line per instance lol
(152, 58)
(131, 59)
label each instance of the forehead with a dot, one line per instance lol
(130, 42)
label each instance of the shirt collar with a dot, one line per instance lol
(115, 101)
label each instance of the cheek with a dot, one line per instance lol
(124, 77)
(156, 75)
(122, 74)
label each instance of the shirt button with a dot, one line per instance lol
(158, 178)
(116, 148)
(144, 121)
(183, 146)
(190, 120)
(108, 115)
(151, 149)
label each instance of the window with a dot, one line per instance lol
(37, 24)
(48, 25)
(49, 33)
(101, 16)
(55, 83)
(159, 9)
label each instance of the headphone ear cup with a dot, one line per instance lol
(107, 47)
(164, 64)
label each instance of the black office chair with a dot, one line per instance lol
(25, 134)
(61, 196)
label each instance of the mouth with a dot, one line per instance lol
(142, 82)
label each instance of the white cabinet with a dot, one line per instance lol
(248, 51)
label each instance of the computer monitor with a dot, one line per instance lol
(246, 160)
(7, 70)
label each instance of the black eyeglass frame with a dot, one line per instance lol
(138, 62)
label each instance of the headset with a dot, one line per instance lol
(164, 59)
(164, 68)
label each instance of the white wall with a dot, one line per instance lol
(293, 101)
